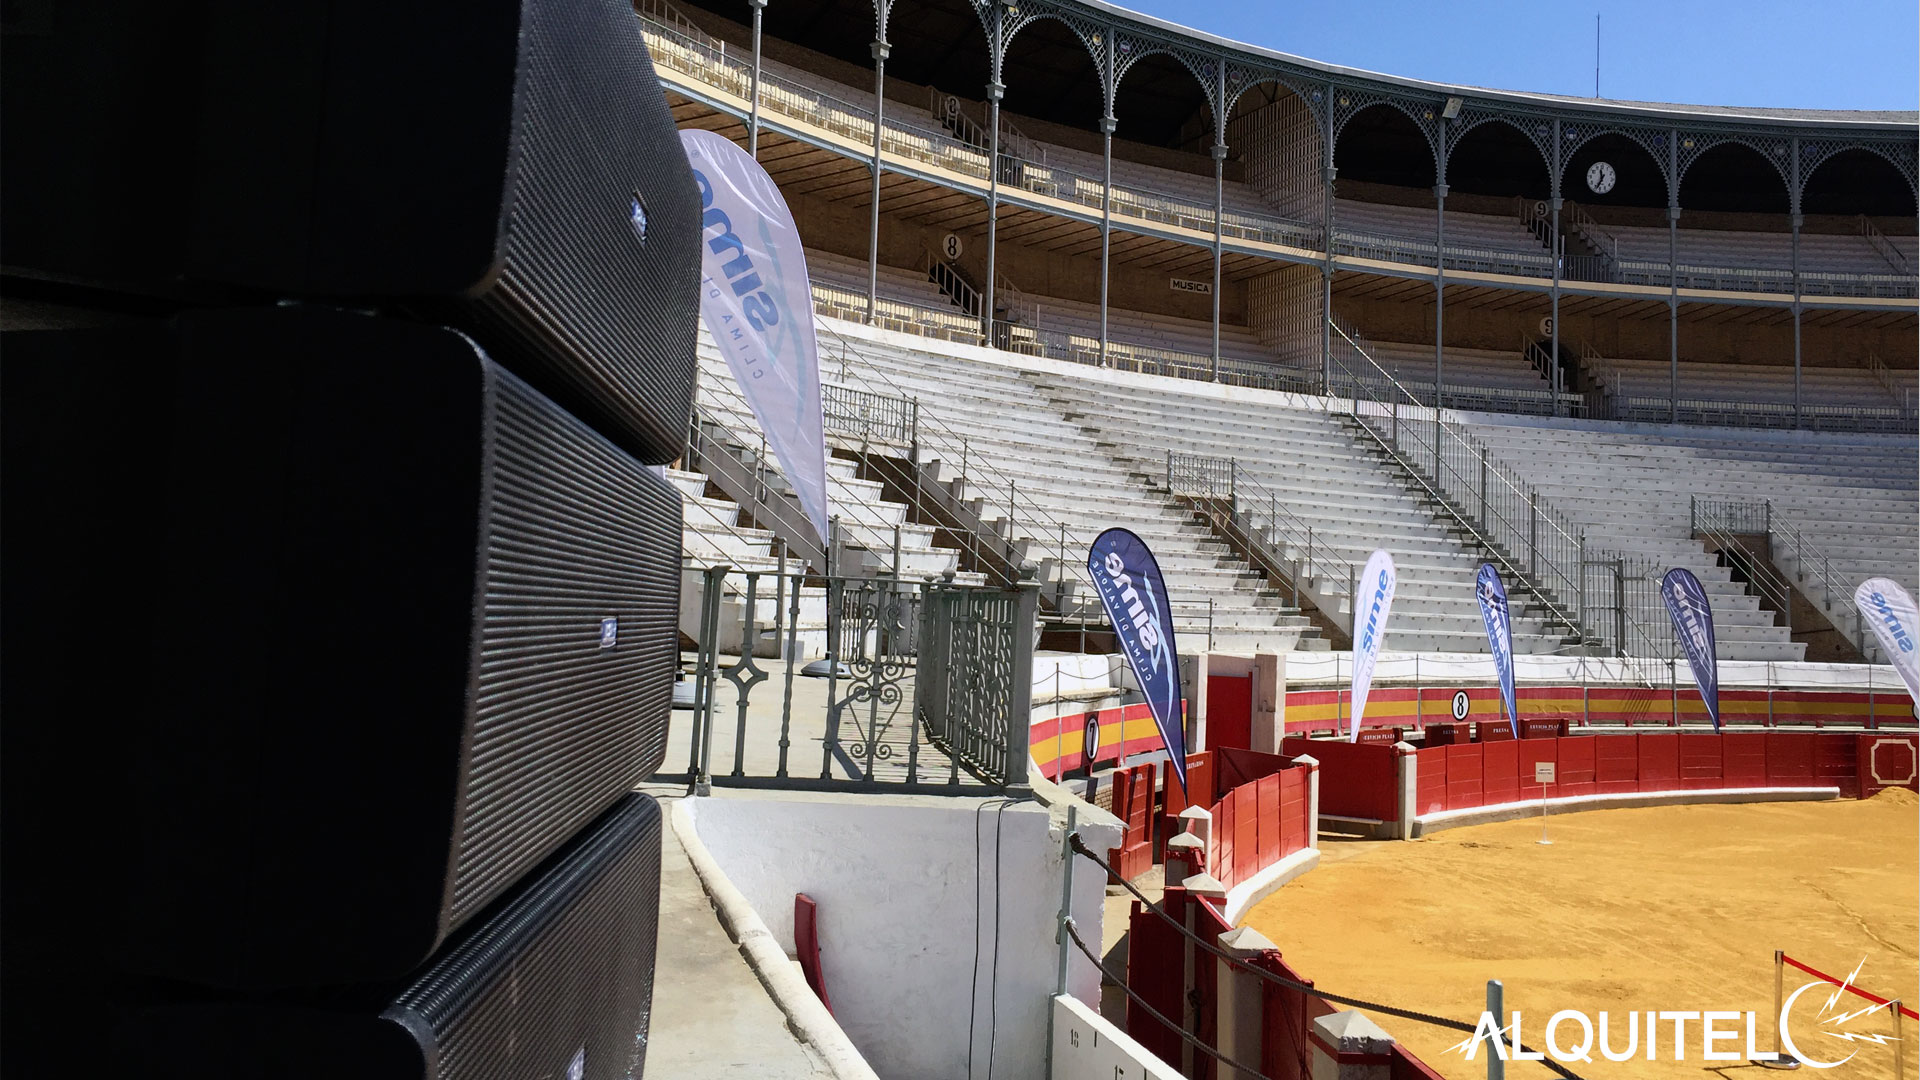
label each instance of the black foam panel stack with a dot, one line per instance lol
(340, 598)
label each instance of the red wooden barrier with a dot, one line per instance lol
(1743, 759)
(1531, 752)
(1500, 772)
(1466, 764)
(1659, 762)
(1271, 825)
(1430, 780)
(1366, 787)
(1790, 759)
(1156, 965)
(1616, 763)
(1888, 761)
(1576, 767)
(1700, 761)
(806, 942)
(1836, 763)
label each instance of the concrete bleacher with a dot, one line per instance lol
(1493, 243)
(1756, 395)
(1320, 479)
(1819, 252)
(1853, 497)
(1474, 378)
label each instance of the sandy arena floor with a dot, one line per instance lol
(1669, 908)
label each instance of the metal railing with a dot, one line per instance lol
(1537, 544)
(1287, 539)
(870, 417)
(1726, 525)
(925, 686)
(1879, 242)
(1796, 550)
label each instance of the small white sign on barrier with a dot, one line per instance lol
(1543, 772)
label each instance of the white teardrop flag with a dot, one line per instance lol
(758, 305)
(1886, 607)
(1370, 610)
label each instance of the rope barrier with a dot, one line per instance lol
(1847, 986)
(1074, 933)
(1079, 846)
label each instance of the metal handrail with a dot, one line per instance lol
(1538, 544)
(1225, 478)
(1723, 522)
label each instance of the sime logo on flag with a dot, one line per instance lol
(1370, 610)
(1135, 595)
(1692, 619)
(1493, 611)
(1886, 607)
(758, 305)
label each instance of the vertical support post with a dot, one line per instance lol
(1066, 898)
(1326, 241)
(995, 91)
(1673, 276)
(1559, 251)
(1107, 124)
(1219, 194)
(753, 86)
(1497, 1008)
(1439, 299)
(1793, 208)
(880, 51)
(1020, 692)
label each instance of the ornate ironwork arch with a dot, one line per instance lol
(1243, 77)
(1815, 152)
(1130, 48)
(1349, 102)
(1776, 150)
(1477, 116)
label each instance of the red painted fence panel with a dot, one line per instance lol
(1430, 780)
(1659, 762)
(1293, 812)
(1500, 775)
(1743, 758)
(1466, 763)
(1223, 831)
(1888, 761)
(1700, 760)
(1790, 758)
(1531, 752)
(1836, 763)
(1616, 763)
(1575, 767)
(1357, 779)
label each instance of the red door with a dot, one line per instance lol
(1230, 711)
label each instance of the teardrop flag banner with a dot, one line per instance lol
(1128, 580)
(1890, 611)
(1494, 612)
(1370, 610)
(758, 305)
(1692, 619)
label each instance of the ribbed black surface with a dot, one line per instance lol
(563, 969)
(575, 532)
(608, 320)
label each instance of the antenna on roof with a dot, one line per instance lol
(1596, 54)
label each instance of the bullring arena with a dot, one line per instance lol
(1076, 269)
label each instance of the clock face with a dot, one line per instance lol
(1600, 177)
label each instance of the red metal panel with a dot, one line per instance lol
(1236, 767)
(1700, 758)
(1465, 767)
(1155, 971)
(1576, 768)
(1743, 759)
(1530, 752)
(1836, 763)
(1222, 868)
(1293, 812)
(1246, 833)
(1430, 779)
(806, 942)
(1888, 760)
(1616, 763)
(1790, 758)
(1356, 780)
(1229, 711)
(1268, 790)
(1285, 1053)
(1659, 762)
(1500, 772)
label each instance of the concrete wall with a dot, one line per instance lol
(910, 891)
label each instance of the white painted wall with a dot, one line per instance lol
(907, 890)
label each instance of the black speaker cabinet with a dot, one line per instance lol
(508, 167)
(364, 626)
(555, 982)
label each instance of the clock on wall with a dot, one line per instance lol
(1600, 177)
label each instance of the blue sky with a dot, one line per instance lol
(1842, 54)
